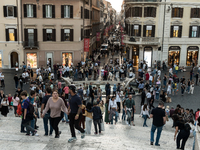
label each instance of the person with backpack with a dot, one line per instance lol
(28, 113)
(184, 132)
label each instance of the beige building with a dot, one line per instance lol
(163, 30)
(11, 50)
(52, 31)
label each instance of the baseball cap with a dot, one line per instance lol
(73, 88)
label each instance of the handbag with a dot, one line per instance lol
(102, 125)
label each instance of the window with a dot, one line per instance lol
(136, 11)
(175, 31)
(177, 12)
(135, 30)
(67, 11)
(11, 34)
(29, 10)
(48, 11)
(148, 31)
(195, 13)
(10, 11)
(31, 37)
(67, 34)
(149, 11)
(194, 31)
(49, 34)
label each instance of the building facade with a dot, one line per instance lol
(11, 50)
(52, 31)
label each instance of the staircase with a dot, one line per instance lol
(116, 137)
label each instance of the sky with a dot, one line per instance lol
(116, 4)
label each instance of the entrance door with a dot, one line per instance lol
(13, 59)
(148, 57)
(50, 59)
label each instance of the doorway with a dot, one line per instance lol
(148, 55)
(13, 59)
(49, 59)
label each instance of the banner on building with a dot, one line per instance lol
(86, 45)
(122, 37)
(98, 36)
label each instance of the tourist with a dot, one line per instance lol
(88, 116)
(4, 106)
(55, 104)
(106, 111)
(145, 114)
(15, 100)
(159, 119)
(112, 110)
(129, 107)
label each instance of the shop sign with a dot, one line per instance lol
(174, 48)
(86, 45)
(98, 36)
(193, 48)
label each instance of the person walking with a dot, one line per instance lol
(16, 81)
(112, 110)
(15, 100)
(46, 117)
(75, 109)
(159, 119)
(88, 116)
(145, 114)
(55, 104)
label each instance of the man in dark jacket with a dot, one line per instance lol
(16, 81)
(143, 96)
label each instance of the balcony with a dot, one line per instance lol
(141, 40)
(31, 45)
(142, 1)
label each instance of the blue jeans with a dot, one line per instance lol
(33, 123)
(45, 121)
(66, 118)
(164, 82)
(124, 115)
(129, 116)
(157, 96)
(150, 82)
(188, 89)
(145, 120)
(16, 84)
(159, 130)
(194, 134)
(116, 115)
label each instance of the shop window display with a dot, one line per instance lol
(67, 59)
(174, 57)
(32, 59)
(192, 57)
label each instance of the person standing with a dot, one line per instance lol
(56, 104)
(159, 119)
(46, 117)
(16, 81)
(143, 96)
(75, 109)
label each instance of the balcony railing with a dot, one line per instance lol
(31, 44)
(143, 1)
(141, 40)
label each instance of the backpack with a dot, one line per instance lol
(31, 107)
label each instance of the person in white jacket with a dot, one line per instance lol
(145, 114)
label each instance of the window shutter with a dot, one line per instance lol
(198, 30)
(5, 11)
(139, 33)
(81, 34)
(15, 33)
(71, 34)
(192, 13)
(35, 35)
(7, 34)
(44, 11)
(15, 11)
(181, 12)
(71, 12)
(172, 30)
(81, 12)
(53, 11)
(62, 11)
(180, 31)
(25, 11)
(153, 31)
(199, 12)
(44, 35)
(140, 11)
(26, 35)
(34, 11)
(54, 34)
(133, 12)
(144, 30)
(62, 34)
(173, 12)
(154, 12)
(131, 30)
(145, 11)
(190, 31)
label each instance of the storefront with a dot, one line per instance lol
(67, 59)
(31, 58)
(174, 55)
(135, 55)
(148, 52)
(192, 55)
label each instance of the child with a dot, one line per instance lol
(97, 116)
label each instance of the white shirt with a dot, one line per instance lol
(144, 65)
(67, 69)
(148, 95)
(49, 69)
(112, 104)
(37, 71)
(170, 70)
(5, 103)
(118, 98)
(27, 75)
(144, 112)
(150, 78)
(159, 72)
(23, 75)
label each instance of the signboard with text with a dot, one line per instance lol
(86, 45)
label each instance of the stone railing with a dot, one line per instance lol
(143, 1)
